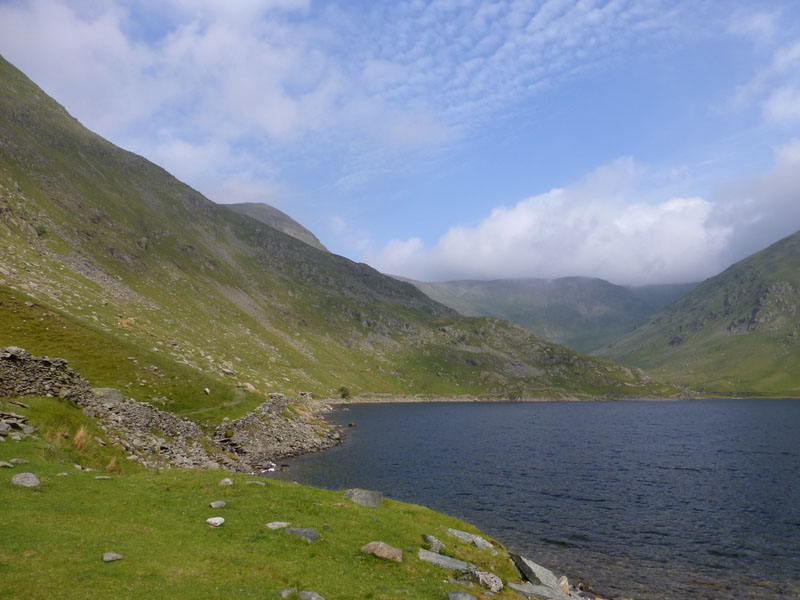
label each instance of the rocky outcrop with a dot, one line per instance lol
(159, 439)
(273, 430)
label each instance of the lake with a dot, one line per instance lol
(639, 499)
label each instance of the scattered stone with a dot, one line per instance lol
(62, 474)
(443, 561)
(19, 461)
(102, 477)
(563, 583)
(18, 403)
(4, 428)
(310, 596)
(25, 480)
(278, 525)
(308, 534)
(367, 498)
(5, 464)
(215, 521)
(219, 504)
(433, 544)
(112, 556)
(256, 483)
(383, 550)
(488, 580)
(287, 593)
(28, 429)
(207, 391)
(15, 437)
(471, 538)
(535, 573)
(460, 596)
(226, 481)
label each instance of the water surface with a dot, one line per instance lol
(644, 499)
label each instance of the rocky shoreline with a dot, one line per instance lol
(250, 444)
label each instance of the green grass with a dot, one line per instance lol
(54, 536)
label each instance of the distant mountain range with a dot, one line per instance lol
(583, 313)
(143, 283)
(736, 333)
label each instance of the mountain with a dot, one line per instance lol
(143, 283)
(580, 312)
(736, 333)
(277, 220)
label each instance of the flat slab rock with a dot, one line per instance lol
(538, 592)
(471, 538)
(445, 562)
(368, 498)
(25, 480)
(308, 534)
(278, 525)
(310, 596)
(218, 504)
(534, 573)
(460, 596)
(383, 550)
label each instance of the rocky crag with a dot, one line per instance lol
(159, 439)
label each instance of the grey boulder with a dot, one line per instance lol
(368, 498)
(445, 562)
(308, 534)
(111, 557)
(25, 480)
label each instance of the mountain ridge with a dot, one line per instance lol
(130, 256)
(736, 333)
(583, 313)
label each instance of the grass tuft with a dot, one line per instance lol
(81, 438)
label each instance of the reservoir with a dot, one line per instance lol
(639, 499)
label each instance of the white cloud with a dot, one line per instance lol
(599, 227)
(758, 26)
(783, 105)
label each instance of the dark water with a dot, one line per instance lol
(695, 499)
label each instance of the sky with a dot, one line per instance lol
(640, 141)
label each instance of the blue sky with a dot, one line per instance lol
(642, 141)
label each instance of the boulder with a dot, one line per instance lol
(445, 562)
(5, 464)
(433, 544)
(383, 550)
(460, 596)
(218, 504)
(277, 525)
(226, 481)
(112, 556)
(539, 592)
(488, 580)
(368, 498)
(287, 593)
(215, 521)
(25, 480)
(536, 574)
(563, 583)
(310, 596)
(308, 534)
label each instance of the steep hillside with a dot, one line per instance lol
(128, 261)
(580, 312)
(735, 333)
(277, 220)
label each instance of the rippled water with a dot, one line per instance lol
(693, 499)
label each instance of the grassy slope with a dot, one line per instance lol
(582, 313)
(146, 263)
(54, 536)
(736, 333)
